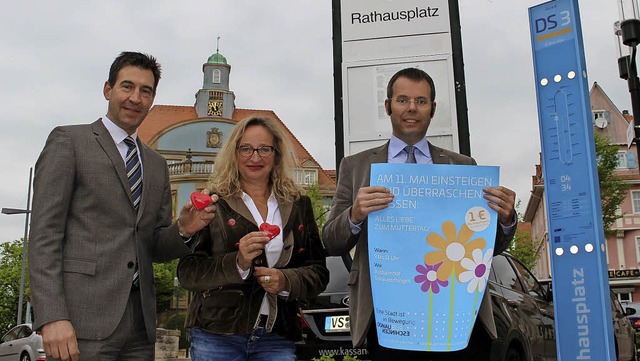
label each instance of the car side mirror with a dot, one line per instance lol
(629, 311)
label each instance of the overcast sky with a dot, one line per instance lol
(56, 55)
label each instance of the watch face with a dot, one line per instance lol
(215, 109)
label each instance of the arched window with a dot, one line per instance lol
(216, 76)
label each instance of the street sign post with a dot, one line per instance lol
(572, 193)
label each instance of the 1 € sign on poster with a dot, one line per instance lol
(430, 253)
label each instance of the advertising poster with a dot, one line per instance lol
(430, 253)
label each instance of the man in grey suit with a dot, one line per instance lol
(101, 216)
(410, 104)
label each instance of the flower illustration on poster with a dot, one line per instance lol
(457, 257)
(427, 277)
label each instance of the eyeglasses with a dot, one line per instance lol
(264, 151)
(419, 102)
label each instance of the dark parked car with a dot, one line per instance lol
(632, 309)
(325, 319)
(21, 343)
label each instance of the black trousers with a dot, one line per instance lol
(479, 349)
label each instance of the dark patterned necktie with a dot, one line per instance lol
(411, 157)
(134, 174)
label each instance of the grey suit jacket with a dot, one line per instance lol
(338, 240)
(85, 234)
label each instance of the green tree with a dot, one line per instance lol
(164, 274)
(10, 268)
(319, 210)
(613, 190)
(523, 247)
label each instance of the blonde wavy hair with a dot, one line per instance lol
(225, 179)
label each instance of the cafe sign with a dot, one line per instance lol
(624, 273)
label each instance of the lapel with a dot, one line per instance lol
(106, 142)
(148, 169)
(378, 155)
(437, 155)
(238, 205)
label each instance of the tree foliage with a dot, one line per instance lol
(613, 190)
(10, 269)
(319, 211)
(523, 247)
(164, 274)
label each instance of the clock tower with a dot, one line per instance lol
(215, 99)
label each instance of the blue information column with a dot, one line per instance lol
(580, 289)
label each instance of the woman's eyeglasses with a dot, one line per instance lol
(264, 151)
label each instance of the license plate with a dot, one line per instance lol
(337, 324)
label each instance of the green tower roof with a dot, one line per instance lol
(217, 58)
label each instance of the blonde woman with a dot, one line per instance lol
(246, 281)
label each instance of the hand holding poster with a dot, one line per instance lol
(430, 253)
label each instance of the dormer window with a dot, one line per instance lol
(600, 118)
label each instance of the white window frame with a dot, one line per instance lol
(622, 160)
(216, 76)
(634, 194)
(628, 296)
(310, 176)
(298, 176)
(637, 249)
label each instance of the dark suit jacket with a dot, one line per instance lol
(85, 234)
(355, 171)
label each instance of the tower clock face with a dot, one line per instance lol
(215, 108)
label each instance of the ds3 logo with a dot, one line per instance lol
(551, 21)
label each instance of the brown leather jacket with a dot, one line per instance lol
(224, 303)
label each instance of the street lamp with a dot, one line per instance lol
(26, 212)
(176, 290)
(627, 32)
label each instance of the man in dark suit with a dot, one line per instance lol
(101, 216)
(410, 104)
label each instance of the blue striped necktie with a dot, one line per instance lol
(134, 174)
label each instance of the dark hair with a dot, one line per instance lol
(142, 61)
(414, 74)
